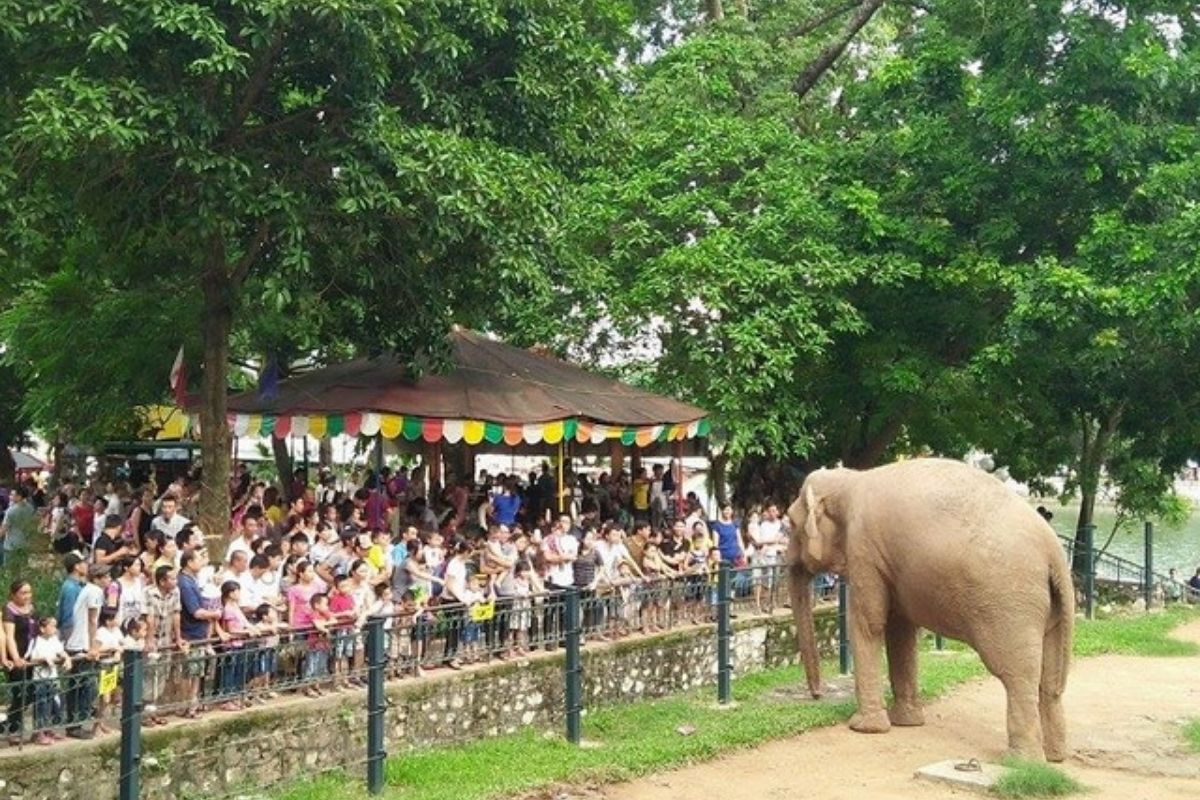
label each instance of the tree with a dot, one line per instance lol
(392, 159)
(1058, 143)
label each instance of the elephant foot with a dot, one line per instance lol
(1025, 753)
(906, 715)
(872, 722)
(1056, 754)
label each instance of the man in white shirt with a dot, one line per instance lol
(244, 543)
(560, 550)
(769, 545)
(169, 520)
(81, 647)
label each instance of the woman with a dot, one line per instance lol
(454, 592)
(141, 517)
(234, 629)
(20, 628)
(132, 595)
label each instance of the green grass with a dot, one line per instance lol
(1191, 735)
(628, 740)
(641, 738)
(1136, 635)
(1034, 779)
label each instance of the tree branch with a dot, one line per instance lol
(810, 25)
(817, 68)
(246, 262)
(256, 84)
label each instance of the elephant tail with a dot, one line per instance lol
(1056, 650)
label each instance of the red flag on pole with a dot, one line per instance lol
(179, 379)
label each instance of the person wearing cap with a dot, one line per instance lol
(76, 567)
(83, 649)
(110, 547)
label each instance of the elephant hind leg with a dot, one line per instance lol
(902, 670)
(1019, 667)
(1050, 692)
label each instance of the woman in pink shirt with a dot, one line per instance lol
(299, 596)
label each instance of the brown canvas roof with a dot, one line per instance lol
(489, 381)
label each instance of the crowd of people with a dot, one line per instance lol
(281, 600)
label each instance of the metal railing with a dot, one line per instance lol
(140, 689)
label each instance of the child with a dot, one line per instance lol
(135, 634)
(316, 662)
(629, 595)
(477, 600)
(521, 616)
(263, 657)
(344, 609)
(110, 641)
(234, 629)
(713, 566)
(385, 607)
(45, 654)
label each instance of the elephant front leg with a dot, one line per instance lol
(902, 669)
(868, 613)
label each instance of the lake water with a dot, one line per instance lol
(1173, 547)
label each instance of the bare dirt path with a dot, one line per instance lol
(1123, 713)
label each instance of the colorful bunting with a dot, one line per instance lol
(473, 432)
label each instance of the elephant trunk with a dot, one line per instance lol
(800, 588)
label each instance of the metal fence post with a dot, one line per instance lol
(1089, 570)
(1148, 567)
(724, 634)
(131, 726)
(844, 662)
(376, 703)
(574, 668)
(938, 643)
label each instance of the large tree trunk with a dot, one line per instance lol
(715, 10)
(718, 466)
(325, 453)
(8, 466)
(214, 431)
(1096, 438)
(866, 448)
(283, 465)
(759, 480)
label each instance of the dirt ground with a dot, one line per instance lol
(1123, 713)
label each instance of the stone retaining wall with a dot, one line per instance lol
(225, 754)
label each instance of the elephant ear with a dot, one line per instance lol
(812, 531)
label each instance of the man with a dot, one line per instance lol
(77, 571)
(237, 569)
(636, 544)
(169, 520)
(19, 525)
(506, 505)
(560, 550)
(769, 544)
(110, 547)
(499, 561)
(85, 517)
(83, 648)
(251, 530)
(640, 498)
(195, 622)
(658, 498)
(254, 583)
(338, 562)
(163, 635)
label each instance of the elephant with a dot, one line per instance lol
(937, 544)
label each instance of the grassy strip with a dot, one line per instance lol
(641, 738)
(1034, 779)
(1191, 734)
